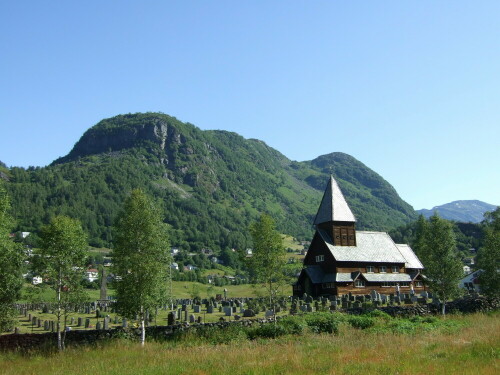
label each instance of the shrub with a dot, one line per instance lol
(361, 322)
(267, 331)
(322, 322)
(293, 325)
(379, 314)
(223, 335)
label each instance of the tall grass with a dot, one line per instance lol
(471, 347)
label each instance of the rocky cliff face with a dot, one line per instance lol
(114, 135)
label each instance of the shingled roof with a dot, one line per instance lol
(333, 206)
(411, 259)
(376, 247)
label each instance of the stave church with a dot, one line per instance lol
(343, 260)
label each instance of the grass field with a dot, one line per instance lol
(468, 345)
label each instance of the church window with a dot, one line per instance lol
(320, 258)
(370, 269)
(359, 283)
(395, 269)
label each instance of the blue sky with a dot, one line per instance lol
(411, 89)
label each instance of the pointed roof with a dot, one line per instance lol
(333, 206)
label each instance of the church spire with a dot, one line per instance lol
(333, 206)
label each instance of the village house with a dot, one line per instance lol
(91, 275)
(343, 260)
(471, 281)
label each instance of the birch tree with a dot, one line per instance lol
(141, 259)
(63, 252)
(268, 261)
(436, 248)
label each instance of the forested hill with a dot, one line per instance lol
(209, 184)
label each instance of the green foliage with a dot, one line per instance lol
(323, 322)
(268, 260)
(141, 257)
(361, 322)
(11, 265)
(378, 314)
(62, 259)
(436, 249)
(467, 235)
(209, 184)
(293, 325)
(267, 331)
(489, 256)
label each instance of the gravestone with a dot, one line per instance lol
(210, 309)
(124, 323)
(171, 317)
(46, 325)
(333, 305)
(228, 311)
(87, 323)
(269, 313)
(192, 318)
(106, 323)
(197, 309)
(79, 322)
(249, 313)
(98, 326)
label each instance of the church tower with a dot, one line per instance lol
(335, 217)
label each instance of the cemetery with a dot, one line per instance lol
(97, 321)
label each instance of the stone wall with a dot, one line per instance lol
(48, 341)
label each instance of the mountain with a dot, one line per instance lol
(210, 184)
(469, 211)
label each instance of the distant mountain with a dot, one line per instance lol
(470, 211)
(210, 185)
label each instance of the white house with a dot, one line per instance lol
(91, 274)
(175, 266)
(174, 251)
(37, 280)
(190, 267)
(471, 281)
